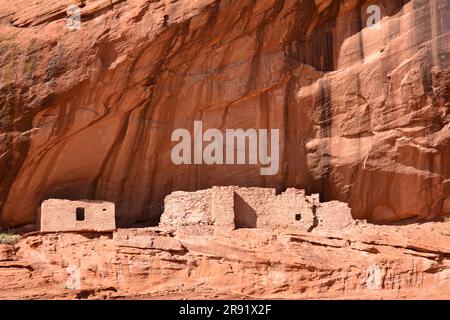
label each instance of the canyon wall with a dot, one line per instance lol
(88, 114)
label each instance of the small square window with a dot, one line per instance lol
(80, 214)
(298, 216)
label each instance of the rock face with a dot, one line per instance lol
(359, 261)
(88, 114)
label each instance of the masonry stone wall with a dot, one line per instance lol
(188, 208)
(291, 209)
(248, 203)
(223, 207)
(56, 215)
(232, 207)
(334, 216)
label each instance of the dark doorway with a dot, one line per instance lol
(80, 214)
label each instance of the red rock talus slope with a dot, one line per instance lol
(363, 113)
(361, 261)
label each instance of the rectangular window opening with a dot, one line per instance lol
(80, 214)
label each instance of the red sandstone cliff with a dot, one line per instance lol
(363, 113)
(361, 261)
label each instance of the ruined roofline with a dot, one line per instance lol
(234, 207)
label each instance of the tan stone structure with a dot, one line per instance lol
(83, 215)
(232, 207)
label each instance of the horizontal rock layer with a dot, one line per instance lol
(87, 114)
(361, 261)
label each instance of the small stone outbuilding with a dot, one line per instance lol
(83, 215)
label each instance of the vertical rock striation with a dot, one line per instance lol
(363, 113)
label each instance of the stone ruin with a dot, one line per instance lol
(232, 207)
(57, 215)
(223, 208)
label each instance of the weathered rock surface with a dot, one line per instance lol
(360, 261)
(87, 114)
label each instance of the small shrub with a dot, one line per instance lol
(7, 238)
(446, 230)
